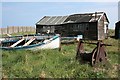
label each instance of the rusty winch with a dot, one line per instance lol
(98, 55)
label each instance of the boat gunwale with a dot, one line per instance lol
(29, 46)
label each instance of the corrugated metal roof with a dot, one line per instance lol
(75, 18)
(78, 18)
(52, 20)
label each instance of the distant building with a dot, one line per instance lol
(91, 25)
(117, 30)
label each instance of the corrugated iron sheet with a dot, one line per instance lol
(52, 20)
(75, 18)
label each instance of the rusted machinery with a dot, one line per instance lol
(98, 55)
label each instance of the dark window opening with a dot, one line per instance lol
(86, 28)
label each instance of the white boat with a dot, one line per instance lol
(33, 44)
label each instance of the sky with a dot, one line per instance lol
(29, 13)
(59, 0)
(119, 10)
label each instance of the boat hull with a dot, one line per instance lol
(52, 43)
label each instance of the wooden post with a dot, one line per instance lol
(7, 30)
(60, 43)
(13, 30)
(18, 29)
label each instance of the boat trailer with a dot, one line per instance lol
(97, 56)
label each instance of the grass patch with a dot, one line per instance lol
(55, 64)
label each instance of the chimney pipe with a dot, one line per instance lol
(95, 15)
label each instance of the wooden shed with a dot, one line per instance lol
(117, 30)
(91, 25)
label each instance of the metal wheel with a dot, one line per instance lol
(93, 56)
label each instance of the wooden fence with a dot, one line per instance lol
(16, 29)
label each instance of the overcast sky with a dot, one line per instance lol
(28, 13)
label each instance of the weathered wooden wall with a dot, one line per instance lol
(92, 31)
(16, 29)
(101, 34)
(87, 29)
(117, 30)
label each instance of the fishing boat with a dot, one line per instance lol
(32, 42)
